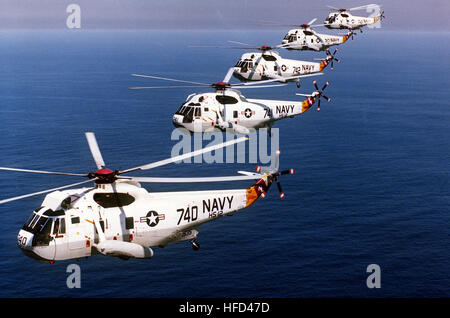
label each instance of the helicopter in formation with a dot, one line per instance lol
(268, 65)
(119, 218)
(343, 19)
(227, 109)
(304, 37)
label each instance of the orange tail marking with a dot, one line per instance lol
(307, 103)
(252, 195)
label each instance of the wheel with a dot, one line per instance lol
(195, 246)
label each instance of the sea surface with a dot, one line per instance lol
(372, 167)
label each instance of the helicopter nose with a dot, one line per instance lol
(25, 243)
(177, 120)
(24, 240)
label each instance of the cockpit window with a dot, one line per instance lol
(189, 110)
(35, 223)
(245, 65)
(112, 200)
(292, 38)
(42, 232)
(50, 212)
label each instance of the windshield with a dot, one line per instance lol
(292, 38)
(42, 231)
(189, 111)
(35, 223)
(245, 65)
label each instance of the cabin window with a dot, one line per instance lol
(223, 99)
(308, 33)
(113, 200)
(129, 223)
(206, 109)
(235, 114)
(75, 220)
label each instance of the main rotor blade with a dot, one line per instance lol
(253, 174)
(220, 47)
(44, 172)
(184, 86)
(95, 150)
(185, 156)
(228, 75)
(312, 21)
(42, 192)
(362, 7)
(279, 79)
(261, 86)
(241, 43)
(167, 79)
(188, 180)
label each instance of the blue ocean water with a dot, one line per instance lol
(372, 168)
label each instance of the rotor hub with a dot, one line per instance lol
(220, 85)
(104, 175)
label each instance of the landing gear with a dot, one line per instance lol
(195, 245)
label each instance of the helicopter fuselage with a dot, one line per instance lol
(270, 65)
(307, 39)
(230, 109)
(345, 20)
(122, 219)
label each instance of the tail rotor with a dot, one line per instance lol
(332, 58)
(273, 175)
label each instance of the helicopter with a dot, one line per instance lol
(228, 110)
(119, 218)
(343, 19)
(268, 66)
(305, 38)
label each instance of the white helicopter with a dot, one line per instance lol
(305, 38)
(227, 109)
(268, 66)
(343, 19)
(118, 218)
